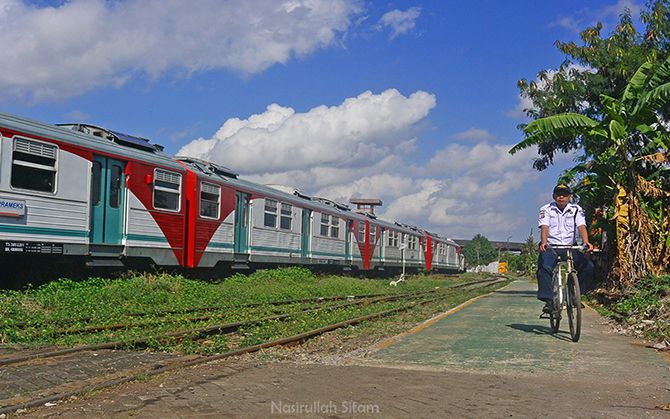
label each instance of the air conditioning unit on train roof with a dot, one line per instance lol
(207, 166)
(338, 205)
(289, 190)
(365, 213)
(411, 227)
(115, 136)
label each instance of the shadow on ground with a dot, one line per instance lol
(522, 293)
(537, 329)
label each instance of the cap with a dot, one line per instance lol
(562, 189)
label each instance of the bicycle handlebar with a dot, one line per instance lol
(566, 246)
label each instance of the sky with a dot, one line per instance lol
(412, 102)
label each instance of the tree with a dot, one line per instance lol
(601, 66)
(479, 251)
(624, 166)
(629, 203)
(526, 262)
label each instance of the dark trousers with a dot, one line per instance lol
(545, 265)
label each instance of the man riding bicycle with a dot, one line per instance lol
(559, 222)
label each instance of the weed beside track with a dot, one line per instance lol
(66, 313)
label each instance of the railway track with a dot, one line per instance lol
(97, 374)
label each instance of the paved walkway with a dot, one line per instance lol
(502, 333)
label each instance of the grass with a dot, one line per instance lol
(64, 304)
(645, 307)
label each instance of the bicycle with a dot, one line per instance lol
(567, 295)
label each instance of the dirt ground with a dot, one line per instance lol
(487, 360)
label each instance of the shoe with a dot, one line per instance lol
(548, 307)
(582, 305)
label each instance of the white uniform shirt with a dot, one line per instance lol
(562, 224)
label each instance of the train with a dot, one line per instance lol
(90, 196)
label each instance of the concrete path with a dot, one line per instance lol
(501, 333)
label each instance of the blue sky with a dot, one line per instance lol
(413, 102)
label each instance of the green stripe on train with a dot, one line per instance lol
(338, 255)
(274, 249)
(146, 238)
(220, 244)
(44, 231)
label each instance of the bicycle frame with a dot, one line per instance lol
(565, 286)
(564, 267)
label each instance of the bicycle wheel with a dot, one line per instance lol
(555, 316)
(574, 307)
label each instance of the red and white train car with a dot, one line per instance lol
(105, 198)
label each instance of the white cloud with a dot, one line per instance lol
(361, 130)
(400, 22)
(56, 52)
(78, 116)
(474, 134)
(617, 8)
(519, 111)
(469, 160)
(468, 192)
(360, 148)
(608, 15)
(570, 23)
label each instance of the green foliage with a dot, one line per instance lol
(599, 68)
(615, 111)
(526, 262)
(479, 251)
(650, 293)
(647, 307)
(59, 312)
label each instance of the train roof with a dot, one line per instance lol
(439, 238)
(115, 136)
(93, 137)
(207, 167)
(278, 192)
(287, 194)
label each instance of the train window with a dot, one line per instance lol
(335, 227)
(115, 183)
(373, 234)
(325, 223)
(393, 238)
(96, 176)
(361, 232)
(270, 219)
(286, 217)
(209, 200)
(167, 190)
(34, 165)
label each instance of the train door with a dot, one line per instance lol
(347, 241)
(242, 205)
(306, 232)
(107, 198)
(381, 242)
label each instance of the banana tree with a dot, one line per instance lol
(624, 167)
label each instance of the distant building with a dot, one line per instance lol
(511, 247)
(366, 204)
